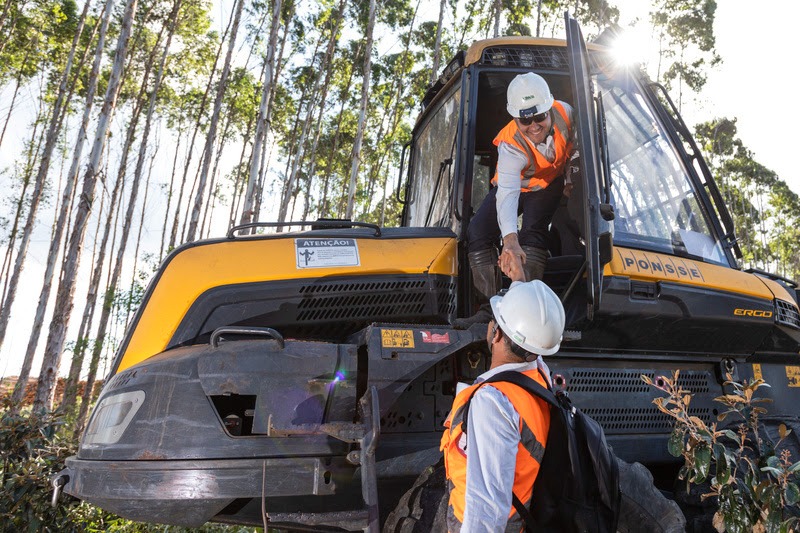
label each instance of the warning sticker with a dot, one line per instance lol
(322, 253)
(397, 338)
(793, 373)
(436, 338)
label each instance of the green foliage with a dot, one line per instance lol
(686, 29)
(33, 449)
(31, 452)
(766, 213)
(755, 484)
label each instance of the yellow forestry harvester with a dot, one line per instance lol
(305, 376)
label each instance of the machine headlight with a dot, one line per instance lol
(112, 416)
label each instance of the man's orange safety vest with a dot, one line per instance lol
(534, 423)
(538, 173)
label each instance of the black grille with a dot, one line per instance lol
(362, 300)
(786, 314)
(623, 404)
(630, 381)
(320, 309)
(446, 295)
(640, 419)
(540, 57)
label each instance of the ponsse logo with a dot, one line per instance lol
(758, 313)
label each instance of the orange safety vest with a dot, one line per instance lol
(534, 423)
(538, 173)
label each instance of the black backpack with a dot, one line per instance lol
(577, 488)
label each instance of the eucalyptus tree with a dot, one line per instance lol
(51, 134)
(309, 76)
(212, 128)
(198, 124)
(333, 26)
(437, 47)
(785, 231)
(61, 222)
(262, 123)
(64, 297)
(115, 274)
(687, 43)
(343, 126)
(745, 185)
(362, 117)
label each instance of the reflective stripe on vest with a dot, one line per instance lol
(534, 422)
(538, 173)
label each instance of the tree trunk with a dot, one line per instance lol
(51, 136)
(169, 192)
(289, 189)
(262, 127)
(498, 9)
(437, 47)
(329, 57)
(362, 118)
(174, 231)
(212, 129)
(11, 106)
(212, 197)
(82, 342)
(66, 288)
(19, 207)
(539, 19)
(325, 210)
(131, 207)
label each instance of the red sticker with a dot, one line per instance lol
(438, 338)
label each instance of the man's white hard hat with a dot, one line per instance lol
(531, 315)
(528, 94)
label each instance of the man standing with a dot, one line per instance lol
(534, 151)
(499, 456)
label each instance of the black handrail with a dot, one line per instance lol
(716, 196)
(241, 330)
(315, 223)
(402, 201)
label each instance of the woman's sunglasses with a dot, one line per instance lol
(527, 121)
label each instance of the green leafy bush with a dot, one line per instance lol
(31, 451)
(754, 484)
(33, 447)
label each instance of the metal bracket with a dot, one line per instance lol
(58, 483)
(370, 416)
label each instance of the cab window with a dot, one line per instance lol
(433, 165)
(655, 200)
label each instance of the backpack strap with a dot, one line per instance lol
(534, 388)
(520, 380)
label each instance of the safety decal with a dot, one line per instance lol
(397, 338)
(757, 371)
(435, 338)
(793, 373)
(326, 253)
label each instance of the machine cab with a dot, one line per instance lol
(646, 219)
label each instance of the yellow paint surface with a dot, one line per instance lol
(196, 269)
(651, 266)
(793, 375)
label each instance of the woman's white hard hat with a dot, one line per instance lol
(531, 315)
(527, 95)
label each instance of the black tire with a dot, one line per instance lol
(643, 507)
(423, 508)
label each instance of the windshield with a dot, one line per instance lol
(656, 205)
(433, 164)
